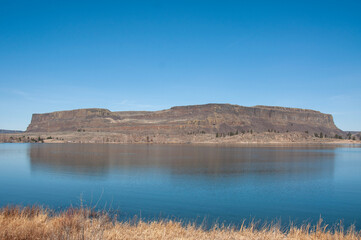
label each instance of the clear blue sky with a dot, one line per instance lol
(151, 55)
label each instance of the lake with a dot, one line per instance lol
(201, 183)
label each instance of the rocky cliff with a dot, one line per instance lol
(209, 118)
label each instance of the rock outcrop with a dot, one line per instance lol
(208, 118)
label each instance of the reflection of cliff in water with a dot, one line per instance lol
(100, 159)
(69, 158)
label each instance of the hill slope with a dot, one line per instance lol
(10, 131)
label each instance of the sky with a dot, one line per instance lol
(152, 55)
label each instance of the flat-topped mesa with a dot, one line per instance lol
(208, 118)
(64, 120)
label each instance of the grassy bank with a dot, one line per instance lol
(174, 138)
(38, 223)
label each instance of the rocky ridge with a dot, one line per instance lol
(222, 119)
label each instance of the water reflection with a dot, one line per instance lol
(213, 161)
(297, 183)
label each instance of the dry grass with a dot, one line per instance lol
(38, 223)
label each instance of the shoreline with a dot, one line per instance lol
(264, 138)
(84, 223)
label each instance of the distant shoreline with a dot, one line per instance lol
(265, 138)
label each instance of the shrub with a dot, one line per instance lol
(349, 135)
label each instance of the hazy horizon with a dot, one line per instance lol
(152, 55)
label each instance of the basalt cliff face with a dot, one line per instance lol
(209, 118)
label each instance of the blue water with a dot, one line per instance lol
(188, 182)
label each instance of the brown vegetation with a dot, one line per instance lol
(216, 138)
(38, 223)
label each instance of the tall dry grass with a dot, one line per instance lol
(37, 223)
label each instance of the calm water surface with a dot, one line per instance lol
(190, 182)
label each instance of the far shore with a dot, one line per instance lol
(265, 138)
